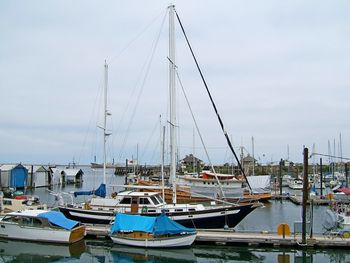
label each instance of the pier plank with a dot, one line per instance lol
(247, 238)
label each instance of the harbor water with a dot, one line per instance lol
(266, 218)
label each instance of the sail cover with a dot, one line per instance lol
(100, 191)
(160, 225)
(58, 219)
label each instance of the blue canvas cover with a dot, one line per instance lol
(160, 225)
(57, 218)
(164, 225)
(100, 191)
(124, 222)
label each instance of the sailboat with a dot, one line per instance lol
(147, 231)
(103, 210)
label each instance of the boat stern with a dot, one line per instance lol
(77, 234)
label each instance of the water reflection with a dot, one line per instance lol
(103, 251)
(21, 251)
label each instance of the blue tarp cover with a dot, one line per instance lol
(57, 218)
(100, 191)
(160, 225)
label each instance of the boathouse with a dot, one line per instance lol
(71, 176)
(38, 176)
(191, 161)
(248, 162)
(13, 176)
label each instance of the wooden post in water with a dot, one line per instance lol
(321, 178)
(346, 175)
(126, 171)
(305, 194)
(280, 177)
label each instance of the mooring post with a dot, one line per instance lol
(126, 171)
(346, 175)
(280, 177)
(321, 178)
(305, 194)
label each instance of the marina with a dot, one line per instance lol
(256, 234)
(209, 132)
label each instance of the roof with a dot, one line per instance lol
(27, 212)
(9, 167)
(72, 172)
(248, 158)
(35, 168)
(54, 217)
(189, 159)
(160, 225)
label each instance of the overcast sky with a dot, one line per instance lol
(278, 71)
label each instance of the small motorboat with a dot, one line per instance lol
(41, 226)
(147, 231)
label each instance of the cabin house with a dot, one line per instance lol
(248, 162)
(38, 176)
(71, 176)
(13, 176)
(191, 161)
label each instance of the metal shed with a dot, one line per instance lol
(13, 176)
(72, 176)
(38, 176)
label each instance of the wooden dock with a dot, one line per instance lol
(264, 238)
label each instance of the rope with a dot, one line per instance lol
(213, 104)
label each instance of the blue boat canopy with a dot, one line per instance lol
(100, 191)
(57, 218)
(160, 225)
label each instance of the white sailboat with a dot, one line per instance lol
(103, 210)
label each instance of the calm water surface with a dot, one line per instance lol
(102, 250)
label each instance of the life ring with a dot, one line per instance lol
(144, 209)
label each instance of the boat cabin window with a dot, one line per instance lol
(144, 201)
(160, 199)
(154, 200)
(14, 219)
(27, 221)
(7, 202)
(126, 201)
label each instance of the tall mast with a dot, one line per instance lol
(253, 156)
(172, 99)
(105, 121)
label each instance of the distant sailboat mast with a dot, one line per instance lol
(172, 93)
(105, 134)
